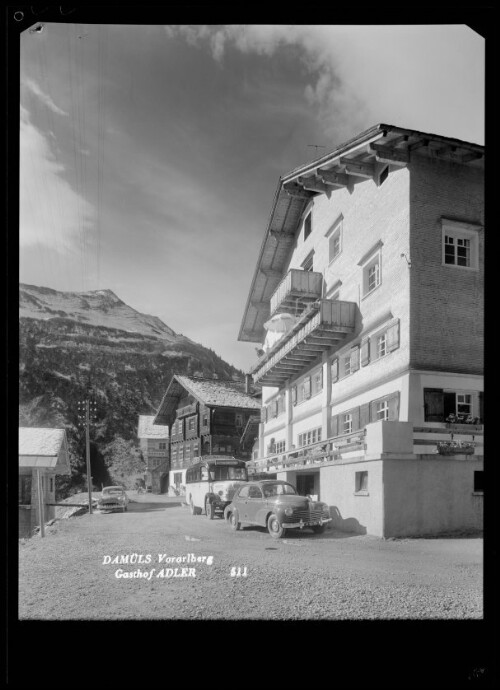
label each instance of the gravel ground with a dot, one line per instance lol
(334, 576)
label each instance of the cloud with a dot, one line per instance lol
(412, 76)
(51, 213)
(33, 87)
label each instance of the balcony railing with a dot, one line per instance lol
(296, 290)
(316, 453)
(187, 410)
(323, 326)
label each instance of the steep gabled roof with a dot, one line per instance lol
(210, 392)
(146, 428)
(360, 156)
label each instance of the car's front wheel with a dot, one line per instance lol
(209, 509)
(274, 527)
(234, 522)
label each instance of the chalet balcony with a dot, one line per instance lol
(324, 325)
(187, 410)
(297, 289)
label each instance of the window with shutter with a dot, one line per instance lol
(393, 337)
(365, 352)
(355, 418)
(364, 415)
(335, 370)
(433, 405)
(354, 359)
(335, 425)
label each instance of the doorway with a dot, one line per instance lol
(306, 483)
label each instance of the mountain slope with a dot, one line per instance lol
(68, 340)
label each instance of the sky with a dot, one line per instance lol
(150, 155)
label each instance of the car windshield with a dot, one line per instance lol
(112, 490)
(220, 473)
(278, 490)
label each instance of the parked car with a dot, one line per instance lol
(113, 498)
(275, 504)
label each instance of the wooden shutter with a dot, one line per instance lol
(335, 425)
(307, 387)
(365, 352)
(373, 410)
(449, 404)
(364, 415)
(355, 418)
(393, 337)
(393, 404)
(433, 405)
(354, 359)
(335, 370)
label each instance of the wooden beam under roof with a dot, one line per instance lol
(295, 190)
(282, 235)
(358, 169)
(333, 178)
(313, 184)
(418, 144)
(387, 154)
(270, 272)
(473, 155)
(398, 140)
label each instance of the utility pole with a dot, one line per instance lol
(87, 415)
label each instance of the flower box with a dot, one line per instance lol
(455, 447)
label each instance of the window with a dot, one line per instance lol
(244, 491)
(479, 481)
(191, 423)
(280, 446)
(162, 445)
(307, 226)
(254, 492)
(371, 264)
(304, 390)
(205, 419)
(464, 403)
(382, 410)
(177, 478)
(382, 345)
(25, 489)
(334, 236)
(460, 244)
(361, 482)
(51, 484)
(308, 437)
(347, 423)
(317, 382)
(346, 365)
(238, 420)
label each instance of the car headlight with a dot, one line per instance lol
(288, 511)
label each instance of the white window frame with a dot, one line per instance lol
(347, 423)
(464, 402)
(460, 231)
(346, 365)
(382, 350)
(280, 446)
(307, 438)
(335, 230)
(382, 410)
(369, 261)
(358, 482)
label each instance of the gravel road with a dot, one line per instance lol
(332, 576)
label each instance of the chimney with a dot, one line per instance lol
(248, 384)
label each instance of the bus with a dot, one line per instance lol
(211, 483)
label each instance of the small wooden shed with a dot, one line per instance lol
(43, 453)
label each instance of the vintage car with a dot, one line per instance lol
(275, 504)
(113, 498)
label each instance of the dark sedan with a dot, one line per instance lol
(276, 505)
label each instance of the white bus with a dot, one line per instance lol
(211, 483)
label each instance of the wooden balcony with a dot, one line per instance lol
(323, 326)
(297, 289)
(187, 410)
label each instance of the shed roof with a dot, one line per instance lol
(147, 429)
(210, 392)
(44, 449)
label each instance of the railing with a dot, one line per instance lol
(297, 285)
(334, 317)
(323, 451)
(427, 438)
